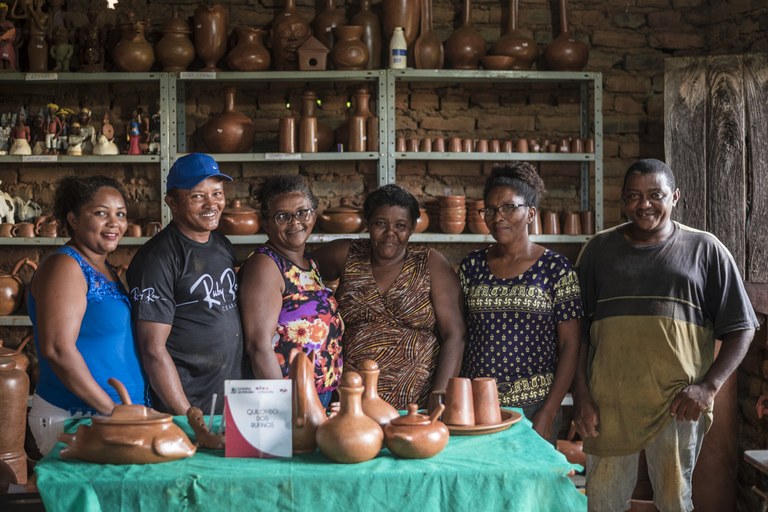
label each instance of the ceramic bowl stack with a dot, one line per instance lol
(475, 222)
(453, 214)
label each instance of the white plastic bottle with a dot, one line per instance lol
(398, 50)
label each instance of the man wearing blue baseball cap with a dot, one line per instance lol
(183, 287)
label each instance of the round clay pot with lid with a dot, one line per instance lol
(239, 220)
(342, 219)
(175, 50)
(416, 436)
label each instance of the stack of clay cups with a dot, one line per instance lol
(453, 214)
(475, 222)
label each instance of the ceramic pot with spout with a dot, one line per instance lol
(14, 392)
(308, 411)
(374, 406)
(239, 220)
(416, 436)
(11, 287)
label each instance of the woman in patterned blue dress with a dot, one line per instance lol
(522, 304)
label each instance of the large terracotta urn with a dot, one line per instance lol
(371, 24)
(326, 20)
(289, 31)
(515, 43)
(231, 131)
(133, 52)
(428, 49)
(566, 53)
(175, 51)
(465, 45)
(249, 54)
(14, 393)
(349, 52)
(210, 34)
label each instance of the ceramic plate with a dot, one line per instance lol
(508, 418)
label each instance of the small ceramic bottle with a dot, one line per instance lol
(398, 50)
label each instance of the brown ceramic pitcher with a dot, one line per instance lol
(11, 287)
(308, 412)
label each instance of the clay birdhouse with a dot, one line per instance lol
(313, 55)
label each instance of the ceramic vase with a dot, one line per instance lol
(515, 44)
(465, 45)
(308, 128)
(374, 406)
(371, 24)
(428, 49)
(37, 52)
(326, 20)
(231, 131)
(308, 411)
(133, 53)
(350, 52)
(210, 34)
(249, 54)
(566, 53)
(401, 13)
(350, 436)
(175, 51)
(14, 390)
(358, 120)
(289, 31)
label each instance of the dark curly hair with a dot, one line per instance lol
(75, 191)
(278, 185)
(391, 195)
(519, 176)
(650, 166)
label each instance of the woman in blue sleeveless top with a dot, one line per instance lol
(81, 314)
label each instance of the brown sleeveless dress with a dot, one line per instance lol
(397, 329)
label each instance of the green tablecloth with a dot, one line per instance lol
(514, 470)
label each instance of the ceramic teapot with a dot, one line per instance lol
(239, 220)
(416, 436)
(132, 434)
(21, 359)
(11, 287)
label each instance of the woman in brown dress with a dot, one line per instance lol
(402, 305)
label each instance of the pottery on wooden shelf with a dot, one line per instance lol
(374, 406)
(231, 131)
(210, 34)
(239, 220)
(326, 21)
(350, 436)
(566, 53)
(133, 53)
(11, 286)
(416, 436)
(249, 54)
(17, 354)
(349, 52)
(14, 393)
(371, 24)
(515, 43)
(175, 51)
(428, 50)
(465, 45)
(132, 434)
(289, 31)
(308, 411)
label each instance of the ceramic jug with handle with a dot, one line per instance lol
(11, 287)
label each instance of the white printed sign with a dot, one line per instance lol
(258, 416)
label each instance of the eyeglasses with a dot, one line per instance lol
(303, 215)
(504, 210)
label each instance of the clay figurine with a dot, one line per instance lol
(205, 438)
(92, 44)
(61, 50)
(75, 141)
(87, 130)
(5, 132)
(21, 137)
(38, 21)
(8, 36)
(54, 127)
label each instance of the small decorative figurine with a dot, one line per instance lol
(38, 21)
(104, 143)
(21, 137)
(7, 39)
(5, 132)
(75, 140)
(87, 130)
(39, 134)
(92, 43)
(61, 50)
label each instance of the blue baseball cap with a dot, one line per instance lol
(191, 169)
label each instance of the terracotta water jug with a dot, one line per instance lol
(175, 51)
(231, 131)
(326, 20)
(14, 393)
(515, 44)
(428, 49)
(401, 13)
(465, 45)
(17, 354)
(11, 287)
(374, 406)
(308, 412)
(249, 54)
(289, 31)
(133, 53)
(308, 123)
(566, 53)
(350, 436)
(371, 24)
(349, 52)
(210, 34)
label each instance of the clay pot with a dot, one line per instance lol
(465, 45)
(374, 406)
(6, 229)
(587, 221)
(19, 357)
(308, 412)
(422, 223)
(308, 125)
(211, 34)
(459, 405)
(326, 21)
(485, 398)
(350, 436)
(47, 226)
(287, 136)
(249, 54)
(358, 121)
(133, 53)
(289, 31)
(239, 220)
(478, 227)
(566, 53)
(23, 230)
(133, 230)
(401, 13)
(371, 32)
(175, 51)
(14, 390)
(550, 223)
(452, 227)
(11, 287)
(231, 131)
(571, 223)
(497, 62)
(342, 219)
(428, 50)
(515, 44)
(416, 436)
(350, 52)
(132, 434)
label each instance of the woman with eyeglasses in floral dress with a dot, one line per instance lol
(283, 301)
(522, 303)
